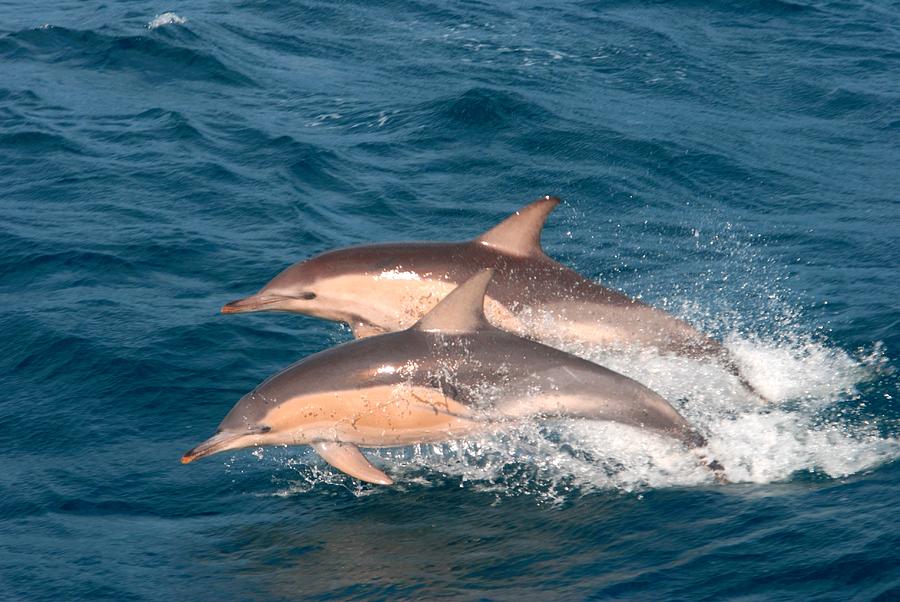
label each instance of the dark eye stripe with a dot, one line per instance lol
(307, 296)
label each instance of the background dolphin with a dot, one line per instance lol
(388, 287)
(452, 373)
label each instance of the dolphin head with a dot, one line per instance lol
(246, 425)
(368, 286)
(331, 286)
(224, 440)
(294, 289)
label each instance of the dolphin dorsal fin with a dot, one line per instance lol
(460, 311)
(520, 233)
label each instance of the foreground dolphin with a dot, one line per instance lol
(388, 287)
(449, 375)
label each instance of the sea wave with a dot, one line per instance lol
(149, 57)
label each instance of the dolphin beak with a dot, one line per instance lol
(253, 303)
(215, 444)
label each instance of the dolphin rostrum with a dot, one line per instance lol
(388, 287)
(449, 375)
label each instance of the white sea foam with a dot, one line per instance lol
(167, 18)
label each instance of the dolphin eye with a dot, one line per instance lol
(307, 296)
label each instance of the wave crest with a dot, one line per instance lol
(167, 18)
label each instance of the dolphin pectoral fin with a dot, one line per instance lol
(347, 458)
(520, 233)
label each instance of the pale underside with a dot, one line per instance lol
(399, 303)
(380, 416)
(404, 414)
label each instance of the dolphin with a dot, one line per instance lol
(449, 375)
(388, 287)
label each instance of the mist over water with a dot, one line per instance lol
(733, 165)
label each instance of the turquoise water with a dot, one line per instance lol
(733, 163)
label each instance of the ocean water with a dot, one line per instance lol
(733, 163)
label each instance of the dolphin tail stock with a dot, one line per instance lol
(697, 443)
(714, 466)
(692, 440)
(727, 361)
(710, 348)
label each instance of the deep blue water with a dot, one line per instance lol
(735, 163)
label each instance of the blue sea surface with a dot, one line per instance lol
(737, 164)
